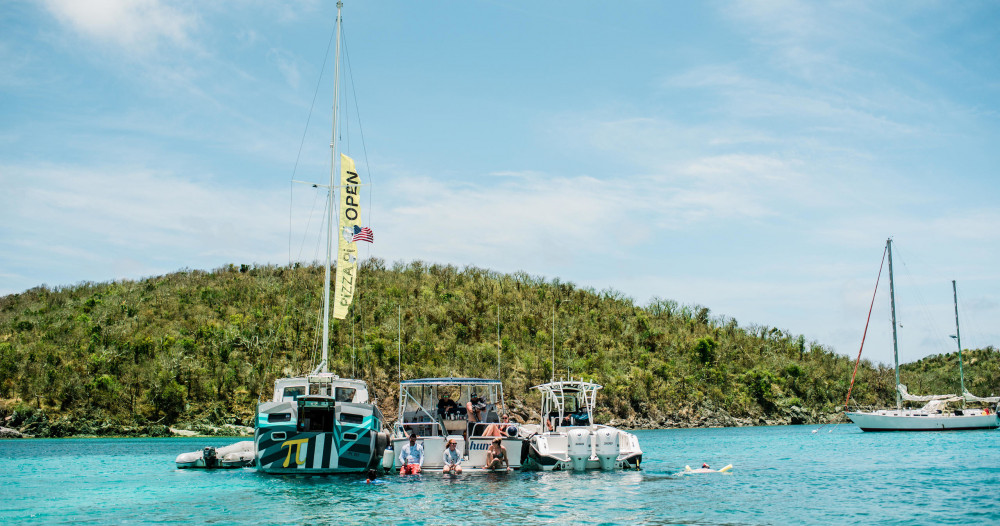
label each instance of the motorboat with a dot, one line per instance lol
(437, 409)
(567, 437)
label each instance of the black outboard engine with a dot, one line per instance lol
(208, 454)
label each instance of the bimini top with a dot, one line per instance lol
(450, 381)
(568, 385)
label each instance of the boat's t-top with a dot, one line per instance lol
(326, 385)
(568, 403)
(430, 405)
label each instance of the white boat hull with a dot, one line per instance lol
(917, 421)
(554, 451)
(474, 457)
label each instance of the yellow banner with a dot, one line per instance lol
(347, 249)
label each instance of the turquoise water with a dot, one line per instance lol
(781, 475)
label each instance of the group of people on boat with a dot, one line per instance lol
(474, 411)
(411, 457)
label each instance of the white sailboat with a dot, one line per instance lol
(937, 413)
(320, 423)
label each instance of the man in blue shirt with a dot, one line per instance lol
(411, 458)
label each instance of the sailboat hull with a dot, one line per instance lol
(917, 421)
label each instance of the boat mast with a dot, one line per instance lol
(892, 305)
(958, 339)
(330, 203)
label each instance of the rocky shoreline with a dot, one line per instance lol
(38, 424)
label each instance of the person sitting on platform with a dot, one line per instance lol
(411, 457)
(496, 456)
(452, 459)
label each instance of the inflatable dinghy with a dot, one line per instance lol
(238, 455)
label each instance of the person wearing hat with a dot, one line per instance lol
(452, 458)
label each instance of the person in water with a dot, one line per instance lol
(452, 458)
(496, 456)
(411, 457)
(372, 474)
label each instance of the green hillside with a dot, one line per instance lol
(205, 346)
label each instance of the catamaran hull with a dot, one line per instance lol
(317, 453)
(912, 422)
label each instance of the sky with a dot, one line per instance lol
(750, 157)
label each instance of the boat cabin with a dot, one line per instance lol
(323, 385)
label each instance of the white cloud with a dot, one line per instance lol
(134, 25)
(98, 222)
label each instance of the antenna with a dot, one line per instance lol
(499, 346)
(399, 340)
(553, 343)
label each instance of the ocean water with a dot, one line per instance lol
(781, 475)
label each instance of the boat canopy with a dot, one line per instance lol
(428, 405)
(568, 403)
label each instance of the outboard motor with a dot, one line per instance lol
(607, 447)
(578, 447)
(208, 455)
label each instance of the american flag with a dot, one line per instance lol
(363, 234)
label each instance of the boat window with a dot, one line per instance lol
(292, 393)
(345, 394)
(279, 417)
(351, 419)
(320, 419)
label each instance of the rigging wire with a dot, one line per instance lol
(865, 334)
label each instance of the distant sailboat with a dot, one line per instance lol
(320, 423)
(935, 414)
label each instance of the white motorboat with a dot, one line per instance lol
(568, 438)
(424, 408)
(938, 412)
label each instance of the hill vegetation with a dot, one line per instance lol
(201, 346)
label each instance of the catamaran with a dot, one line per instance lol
(320, 423)
(568, 438)
(938, 412)
(437, 410)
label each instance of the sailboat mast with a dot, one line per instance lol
(330, 202)
(892, 305)
(958, 339)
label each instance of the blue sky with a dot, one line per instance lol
(751, 157)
